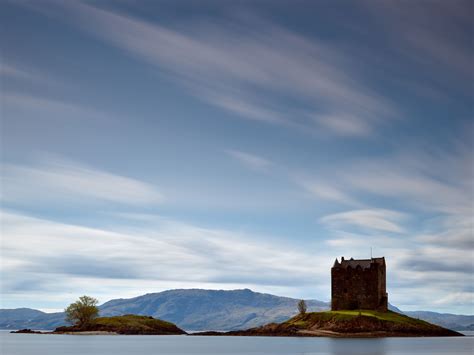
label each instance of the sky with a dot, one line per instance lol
(154, 145)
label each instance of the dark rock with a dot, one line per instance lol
(26, 331)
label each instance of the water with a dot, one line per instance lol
(31, 344)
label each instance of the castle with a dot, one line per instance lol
(359, 284)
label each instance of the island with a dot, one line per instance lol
(353, 323)
(125, 325)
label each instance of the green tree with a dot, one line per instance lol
(83, 311)
(302, 307)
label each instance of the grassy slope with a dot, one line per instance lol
(128, 324)
(308, 318)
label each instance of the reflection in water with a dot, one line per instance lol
(371, 346)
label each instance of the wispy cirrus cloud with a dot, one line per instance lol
(244, 107)
(60, 261)
(16, 103)
(401, 180)
(375, 219)
(164, 254)
(219, 63)
(22, 76)
(345, 124)
(250, 160)
(59, 181)
(7, 70)
(321, 188)
(452, 231)
(438, 180)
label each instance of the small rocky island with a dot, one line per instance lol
(125, 325)
(364, 323)
(83, 314)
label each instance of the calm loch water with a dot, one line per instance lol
(30, 344)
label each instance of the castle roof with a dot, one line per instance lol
(363, 263)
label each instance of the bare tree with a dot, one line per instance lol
(83, 311)
(302, 307)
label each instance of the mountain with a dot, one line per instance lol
(211, 310)
(191, 309)
(25, 314)
(30, 318)
(200, 310)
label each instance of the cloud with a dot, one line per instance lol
(252, 73)
(450, 231)
(420, 262)
(324, 190)
(457, 297)
(359, 244)
(62, 181)
(428, 181)
(167, 253)
(245, 108)
(48, 108)
(345, 125)
(378, 219)
(64, 260)
(25, 74)
(250, 160)
(7, 70)
(400, 179)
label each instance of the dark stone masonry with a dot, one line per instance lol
(359, 284)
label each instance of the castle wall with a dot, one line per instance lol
(358, 288)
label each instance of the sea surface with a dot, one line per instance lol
(32, 344)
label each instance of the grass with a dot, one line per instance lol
(134, 321)
(303, 321)
(386, 316)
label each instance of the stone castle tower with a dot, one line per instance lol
(359, 284)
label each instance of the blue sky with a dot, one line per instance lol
(149, 145)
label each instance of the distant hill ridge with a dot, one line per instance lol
(200, 310)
